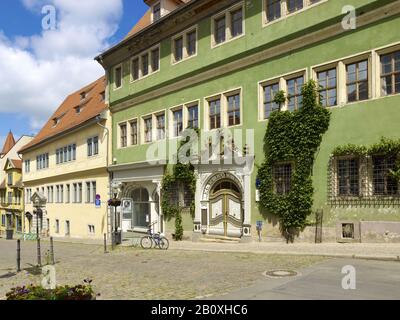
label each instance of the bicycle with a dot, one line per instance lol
(154, 239)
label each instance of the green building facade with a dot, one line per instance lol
(228, 59)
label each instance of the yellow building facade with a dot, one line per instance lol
(67, 164)
(11, 198)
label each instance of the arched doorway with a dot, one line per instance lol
(226, 214)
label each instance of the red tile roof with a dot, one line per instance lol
(145, 21)
(66, 117)
(17, 164)
(8, 144)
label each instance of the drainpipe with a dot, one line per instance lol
(107, 162)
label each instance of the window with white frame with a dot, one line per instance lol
(27, 166)
(294, 5)
(390, 73)
(148, 129)
(155, 59)
(88, 194)
(184, 45)
(134, 132)
(224, 110)
(93, 146)
(193, 116)
(327, 81)
(214, 112)
(228, 25)
(233, 109)
(145, 63)
(91, 229)
(160, 121)
(123, 134)
(294, 87)
(269, 92)
(236, 18)
(276, 9)
(68, 193)
(357, 81)
(42, 161)
(118, 77)
(273, 9)
(178, 49)
(177, 118)
(135, 69)
(66, 154)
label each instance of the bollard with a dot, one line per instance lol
(39, 258)
(18, 255)
(52, 251)
(113, 241)
(105, 243)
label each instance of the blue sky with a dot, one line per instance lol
(28, 101)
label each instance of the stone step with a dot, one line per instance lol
(219, 239)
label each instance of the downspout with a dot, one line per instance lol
(108, 171)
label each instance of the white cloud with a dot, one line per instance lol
(38, 72)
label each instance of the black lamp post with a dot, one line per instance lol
(115, 202)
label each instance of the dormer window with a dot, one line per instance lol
(83, 96)
(78, 110)
(56, 121)
(157, 12)
(103, 96)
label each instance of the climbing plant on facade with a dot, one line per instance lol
(292, 139)
(181, 174)
(385, 147)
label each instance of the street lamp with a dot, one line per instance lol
(115, 202)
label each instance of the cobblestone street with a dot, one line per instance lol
(130, 273)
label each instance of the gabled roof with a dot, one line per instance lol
(73, 112)
(145, 21)
(8, 144)
(15, 164)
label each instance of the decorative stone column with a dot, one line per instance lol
(197, 214)
(247, 207)
(160, 213)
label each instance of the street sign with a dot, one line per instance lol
(97, 201)
(258, 183)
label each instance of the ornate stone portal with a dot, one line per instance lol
(223, 204)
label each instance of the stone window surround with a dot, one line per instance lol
(185, 55)
(224, 108)
(284, 13)
(141, 127)
(185, 120)
(228, 33)
(115, 76)
(282, 80)
(366, 188)
(139, 57)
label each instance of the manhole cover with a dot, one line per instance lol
(280, 273)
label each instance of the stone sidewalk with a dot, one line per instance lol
(373, 251)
